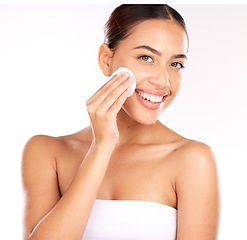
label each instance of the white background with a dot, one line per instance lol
(48, 69)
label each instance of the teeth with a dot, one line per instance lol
(157, 99)
(150, 97)
(153, 98)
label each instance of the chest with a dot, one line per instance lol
(143, 173)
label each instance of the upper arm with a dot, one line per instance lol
(197, 193)
(39, 180)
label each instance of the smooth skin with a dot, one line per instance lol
(126, 153)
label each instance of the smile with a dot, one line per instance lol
(150, 99)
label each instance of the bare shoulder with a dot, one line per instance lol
(42, 142)
(195, 162)
(39, 147)
(39, 159)
(39, 177)
(197, 192)
(42, 148)
(44, 152)
(54, 146)
(195, 165)
(187, 155)
(195, 155)
(42, 158)
(195, 183)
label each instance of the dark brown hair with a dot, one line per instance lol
(126, 16)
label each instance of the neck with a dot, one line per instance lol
(131, 131)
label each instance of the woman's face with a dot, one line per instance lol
(155, 52)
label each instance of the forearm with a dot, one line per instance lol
(68, 219)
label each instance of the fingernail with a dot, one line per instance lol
(119, 74)
(126, 74)
(131, 78)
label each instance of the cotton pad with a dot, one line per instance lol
(123, 70)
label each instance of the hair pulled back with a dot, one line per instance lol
(126, 16)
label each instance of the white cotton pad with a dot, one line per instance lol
(123, 70)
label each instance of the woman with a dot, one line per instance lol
(167, 184)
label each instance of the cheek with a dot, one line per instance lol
(139, 77)
(142, 75)
(175, 81)
(116, 64)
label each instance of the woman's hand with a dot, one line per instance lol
(104, 105)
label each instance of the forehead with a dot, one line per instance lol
(160, 34)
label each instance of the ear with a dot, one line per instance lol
(105, 58)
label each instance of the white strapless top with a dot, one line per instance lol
(131, 220)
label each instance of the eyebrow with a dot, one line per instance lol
(149, 48)
(179, 56)
(158, 52)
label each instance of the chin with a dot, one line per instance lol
(148, 119)
(142, 114)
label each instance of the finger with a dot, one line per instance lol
(103, 88)
(104, 92)
(115, 94)
(117, 105)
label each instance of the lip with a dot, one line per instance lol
(148, 104)
(153, 92)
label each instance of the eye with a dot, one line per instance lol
(177, 65)
(146, 58)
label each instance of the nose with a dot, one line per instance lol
(160, 78)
